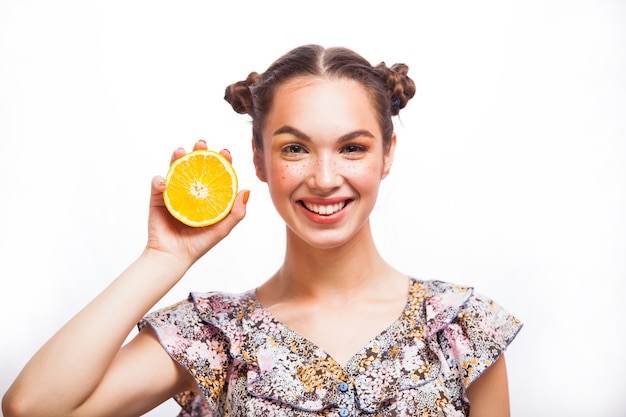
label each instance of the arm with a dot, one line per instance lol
(489, 394)
(82, 370)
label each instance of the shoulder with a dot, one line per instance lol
(208, 317)
(446, 302)
(219, 306)
(200, 307)
(437, 302)
(202, 334)
(471, 329)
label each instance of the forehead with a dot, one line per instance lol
(330, 87)
(317, 103)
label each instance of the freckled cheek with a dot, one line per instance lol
(366, 176)
(287, 174)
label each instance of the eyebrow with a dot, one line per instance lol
(303, 136)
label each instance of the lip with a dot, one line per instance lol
(325, 211)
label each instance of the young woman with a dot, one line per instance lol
(336, 331)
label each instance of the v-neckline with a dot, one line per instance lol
(352, 362)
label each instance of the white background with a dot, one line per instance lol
(510, 171)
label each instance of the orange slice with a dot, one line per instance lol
(201, 188)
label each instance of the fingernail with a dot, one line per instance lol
(246, 195)
(226, 150)
(202, 140)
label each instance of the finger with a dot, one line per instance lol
(200, 145)
(177, 154)
(239, 208)
(156, 190)
(237, 213)
(158, 184)
(226, 154)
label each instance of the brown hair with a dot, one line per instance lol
(389, 88)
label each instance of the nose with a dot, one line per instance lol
(324, 174)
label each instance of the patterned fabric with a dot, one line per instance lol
(247, 363)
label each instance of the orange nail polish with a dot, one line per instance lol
(246, 195)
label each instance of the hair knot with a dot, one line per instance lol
(239, 95)
(400, 88)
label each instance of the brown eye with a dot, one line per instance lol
(293, 148)
(353, 148)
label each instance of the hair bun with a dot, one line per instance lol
(239, 95)
(400, 87)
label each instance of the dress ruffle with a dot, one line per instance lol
(446, 333)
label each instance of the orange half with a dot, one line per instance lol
(201, 188)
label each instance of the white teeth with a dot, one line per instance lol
(325, 210)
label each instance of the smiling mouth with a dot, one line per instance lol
(324, 209)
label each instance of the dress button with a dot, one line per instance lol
(343, 387)
(344, 412)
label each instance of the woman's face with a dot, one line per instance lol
(323, 159)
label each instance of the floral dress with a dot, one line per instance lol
(247, 363)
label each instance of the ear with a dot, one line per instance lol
(257, 157)
(388, 156)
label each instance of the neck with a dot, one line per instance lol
(340, 272)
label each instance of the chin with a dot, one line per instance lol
(324, 239)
